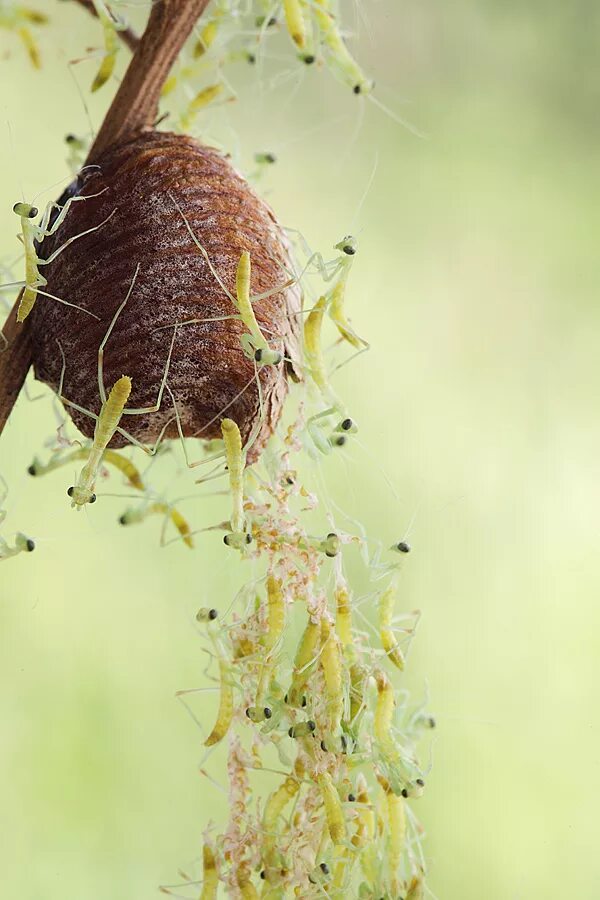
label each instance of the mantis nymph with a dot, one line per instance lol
(32, 234)
(16, 17)
(210, 881)
(389, 641)
(112, 457)
(396, 824)
(334, 812)
(341, 59)
(254, 344)
(110, 26)
(111, 412)
(134, 516)
(225, 713)
(235, 458)
(107, 423)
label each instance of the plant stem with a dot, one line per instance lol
(15, 360)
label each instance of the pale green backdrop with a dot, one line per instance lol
(477, 284)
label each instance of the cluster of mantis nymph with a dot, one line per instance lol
(328, 428)
(232, 31)
(315, 708)
(302, 666)
(327, 706)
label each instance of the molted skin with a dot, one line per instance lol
(208, 368)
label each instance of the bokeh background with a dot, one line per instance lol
(476, 283)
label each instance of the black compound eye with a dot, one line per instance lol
(70, 492)
(340, 441)
(212, 614)
(324, 868)
(248, 538)
(267, 712)
(258, 354)
(347, 424)
(357, 89)
(31, 469)
(311, 725)
(403, 547)
(226, 540)
(251, 58)
(33, 212)
(123, 519)
(30, 545)
(93, 498)
(420, 782)
(351, 798)
(404, 793)
(309, 59)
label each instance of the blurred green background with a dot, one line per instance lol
(476, 283)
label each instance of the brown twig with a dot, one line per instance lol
(15, 360)
(133, 109)
(127, 35)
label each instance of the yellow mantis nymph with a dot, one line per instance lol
(269, 641)
(110, 457)
(225, 711)
(315, 365)
(254, 344)
(209, 33)
(135, 515)
(396, 772)
(341, 60)
(389, 641)
(210, 875)
(110, 26)
(16, 17)
(202, 99)
(107, 423)
(235, 458)
(274, 807)
(396, 827)
(111, 412)
(331, 662)
(334, 812)
(304, 662)
(295, 23)
(31, 233)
